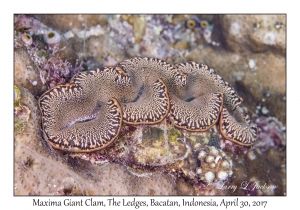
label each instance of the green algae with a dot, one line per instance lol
(21, 112)
(17, 96)
(20, 124)
(153, 148)
(174, 135)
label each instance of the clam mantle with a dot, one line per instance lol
(87, 114)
